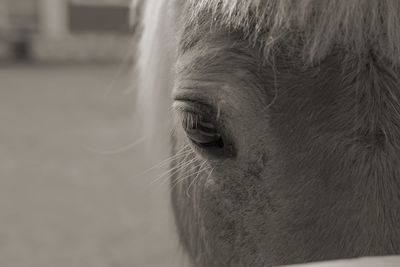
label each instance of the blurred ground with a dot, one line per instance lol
(63, 202)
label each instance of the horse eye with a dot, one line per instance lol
(201, 131)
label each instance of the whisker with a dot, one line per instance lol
(196, 196)
(185, 149)
(196, 177)
(159, 166)
(181, 153)
(175, 169)
(183, 167)
(180, 179)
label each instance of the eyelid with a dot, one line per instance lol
(207, 125)
(191, 95)
(194, 107)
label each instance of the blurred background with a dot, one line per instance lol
(74, 190)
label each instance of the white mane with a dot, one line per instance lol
(360, 26)
(155, 72)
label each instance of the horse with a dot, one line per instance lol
(285, 122)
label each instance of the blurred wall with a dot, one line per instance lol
(65, 30)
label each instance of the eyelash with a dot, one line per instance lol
(204, 129)
(190, 120)
(201, 131)
(192, 114)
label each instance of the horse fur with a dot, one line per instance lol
(336, 119)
